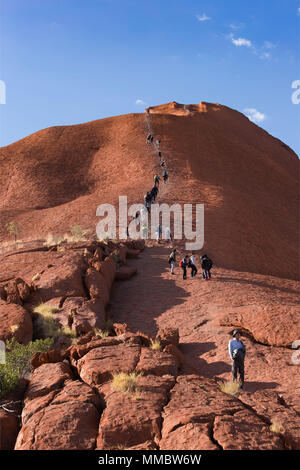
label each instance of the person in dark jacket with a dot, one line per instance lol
(237, 353)
(184, 264)
(206, 264)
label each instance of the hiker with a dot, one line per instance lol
(159, 154)
(154, 192)
(169, 235)
(158, 233)
(206, 264)
(127, 233)
(151, 139)
(192, 265)
(163, 163)
(149, 136)
(158, 142)
(165, 176)
(237, 353)
(156, 180)
(184, 264)
(172, 260)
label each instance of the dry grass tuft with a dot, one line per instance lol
(126, 382)
(276, 428)
(231, 387)
(155, 345)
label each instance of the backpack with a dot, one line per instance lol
(181, 263)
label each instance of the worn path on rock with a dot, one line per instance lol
(154, 298)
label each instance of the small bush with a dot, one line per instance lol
(45, 323)
(155, 345)
(18, 362)
(101, 333)
(126, 382)
(276, 428)
(67, 331)
(13, 229)
(231, 387)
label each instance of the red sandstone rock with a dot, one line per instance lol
(65, 418)
(134, 419)
(64, 279)
(15, 322)
(191, 436)
(245, 431)
(168, 336)
(153, 362)
(276, 325)
(268, 405)
(97, 285)
(176, 353)
(99, 364)
(9, 427)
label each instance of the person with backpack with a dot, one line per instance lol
(163, 163)
(192, 265)
(184, 264)
(154, 192)
(156, 180)
(149, 138)
(206, 264)
(237, 353)
(159, 154)
(165, 176)
(172, 260)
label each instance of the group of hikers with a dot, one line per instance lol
(236, 347)
(190, 262)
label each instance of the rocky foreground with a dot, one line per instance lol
(71, 401)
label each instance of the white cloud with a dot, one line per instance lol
(241, 42)
(269, 45)
(203, 17)
(140, 102)
(254, 115)
(265, 55)
(236, 26)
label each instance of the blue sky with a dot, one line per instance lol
(73, 61)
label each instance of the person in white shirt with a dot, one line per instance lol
(237, 353)
(192, 265)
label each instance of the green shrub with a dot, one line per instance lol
(13, 229)
(18, 362)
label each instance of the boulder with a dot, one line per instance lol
(134, 419)
(15, 322)
(158, 363)
(99, 364)
(245, 431)
(270, 406)
(97, 285)
(271, 324)
(63, 419)
(9, 428)
(62, 279)
(168, 336)
(191, 436)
